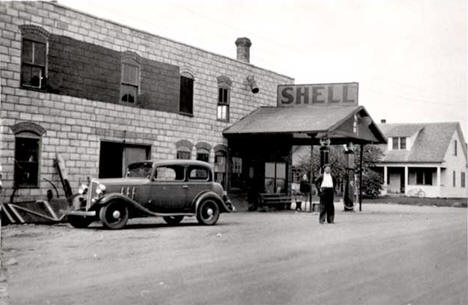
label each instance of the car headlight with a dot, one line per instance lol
(101, 189)
(82, 189)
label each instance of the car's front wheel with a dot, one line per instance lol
(173, 220)
(79, 221)
(114, 215)
(208, 212)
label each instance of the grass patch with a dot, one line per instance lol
(440, 202)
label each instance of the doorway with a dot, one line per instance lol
(115, 157)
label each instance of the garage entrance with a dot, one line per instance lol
(114, 157)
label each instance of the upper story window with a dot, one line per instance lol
(34, 56)
(186, 94)
(27, 154)
(130, 81)
(398, 143)
(455, 148)
(224, 96)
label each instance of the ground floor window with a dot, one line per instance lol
(236, 172)
(114, 158)
(454, 178)
(26, 160)
(220, 167)
(275, 177)
(181, 154)
(424, 176)
(203, 155)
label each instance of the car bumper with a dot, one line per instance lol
(230, 206)
(81, 213)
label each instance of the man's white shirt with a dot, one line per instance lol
(327, 180)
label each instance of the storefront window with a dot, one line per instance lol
(275, 177)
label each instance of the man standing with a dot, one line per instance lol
(326, 188)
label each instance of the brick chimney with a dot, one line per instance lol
(243, 49)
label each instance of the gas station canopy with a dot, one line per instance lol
(341, 124)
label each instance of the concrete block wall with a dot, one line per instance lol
(75, 126)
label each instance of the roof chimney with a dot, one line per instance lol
(243, 49)
(383, 121)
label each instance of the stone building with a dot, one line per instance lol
(100, 95)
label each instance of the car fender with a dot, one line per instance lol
(212, 195)
(115, 196)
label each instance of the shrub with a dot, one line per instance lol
(371, 184)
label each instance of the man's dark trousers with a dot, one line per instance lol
(327, 209)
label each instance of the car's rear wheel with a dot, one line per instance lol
(173, 220)
(79, 221)
(208, 212)
(114, 215)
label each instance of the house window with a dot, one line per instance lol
(399, 143)
(419, 177)
(184, 149)
(455, 143)
(424, 176)
(462, 179)
(186, 94)
(236, 180)
(395, 143)
(183, 155)
(275, 177)
(220, 167)
(403, 143)
(27, 160)
(33, 56)
(27, 153)
(203, 156)
(224, 97)
(223, 104)
(130, 77)
(130, 83)
(454, 178)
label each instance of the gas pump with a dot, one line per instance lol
(324, 151)
(348, 179)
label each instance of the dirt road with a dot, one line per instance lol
(387, 254)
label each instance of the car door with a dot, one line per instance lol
(168, 189)
(198, 181)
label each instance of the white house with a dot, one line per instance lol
(424, 159)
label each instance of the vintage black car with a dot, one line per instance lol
(169, 189)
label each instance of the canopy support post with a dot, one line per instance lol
(361, 153)
(311, 173)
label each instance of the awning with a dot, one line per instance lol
(339, 123)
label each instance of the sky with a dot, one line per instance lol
(408, 56)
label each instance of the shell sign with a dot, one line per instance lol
(342, 94)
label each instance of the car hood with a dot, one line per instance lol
(123, 181)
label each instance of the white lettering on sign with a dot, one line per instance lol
(318, 94)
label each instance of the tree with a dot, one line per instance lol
(372, 182)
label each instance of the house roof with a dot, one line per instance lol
(304, 120)
(430, 145)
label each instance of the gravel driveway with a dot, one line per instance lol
(387, 254)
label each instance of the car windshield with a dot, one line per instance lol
(140, 169)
